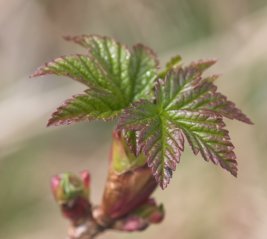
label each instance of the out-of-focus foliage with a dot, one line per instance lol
(201, 202)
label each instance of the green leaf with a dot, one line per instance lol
(205, 133)
(159, 139)
(171, 64)
(176, 82)
(123, 160)
(83, 107)
(141, 66)
(142, 72)
(110, 70)
(77, 67)
(200, 94)
(185, 104)
(131, 139)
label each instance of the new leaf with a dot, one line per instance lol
(185, 104)
(160, 140)
(115, 76)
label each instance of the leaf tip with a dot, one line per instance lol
(38, 72)
(247, 120)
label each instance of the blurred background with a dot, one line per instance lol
(202, 201)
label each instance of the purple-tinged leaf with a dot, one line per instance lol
(203, 65)
(77, 67)
(219, 103)
(111, 71)
(83, 107)
(205, 133)
(185, 104)
(204, 96)
(177, 81)
(142, 65)
(131, 138)
(159, 139)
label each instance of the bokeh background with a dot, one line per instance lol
(202, 200)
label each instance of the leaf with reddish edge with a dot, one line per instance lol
(115, 76)
(185, 104)
(131, 138)
(202, 95)
(83, 107)
(160, 141)
(205, 133)
(142, 65)
(202, 65)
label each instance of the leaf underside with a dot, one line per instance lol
(115, 77)
(186, 105)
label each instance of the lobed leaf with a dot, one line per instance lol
(140, 63)
(77, 67)
(185, 104)
(205, 133)
(159, 109)
(142, 72)
(113, 73)
(202, 95)
(159, 140)
(83, 107)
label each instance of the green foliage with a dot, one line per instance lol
(155, 110)
(115, 76)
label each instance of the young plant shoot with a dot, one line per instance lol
(156, 110)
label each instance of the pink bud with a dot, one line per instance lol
(134, 224)
(55, 183)
(85, 175)
(156, 217)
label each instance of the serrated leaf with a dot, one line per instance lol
(83, 107)
(77, 67)
(202, 65)
(142, 72)
(186, 104)
(200, 94)
(205, 133)
(131, 139)
(141, 63)
(110, 69)
(171, 64)
(159, 140)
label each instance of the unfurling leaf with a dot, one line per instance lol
(185, 105)
(159, 139)
(174, 62)
(115, 76)
(156, 110)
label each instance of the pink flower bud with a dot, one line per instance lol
(85, 176)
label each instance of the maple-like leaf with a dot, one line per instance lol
(115, 76)
(185, 104)
(156, 110)
(160, 140)
(83, 106)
